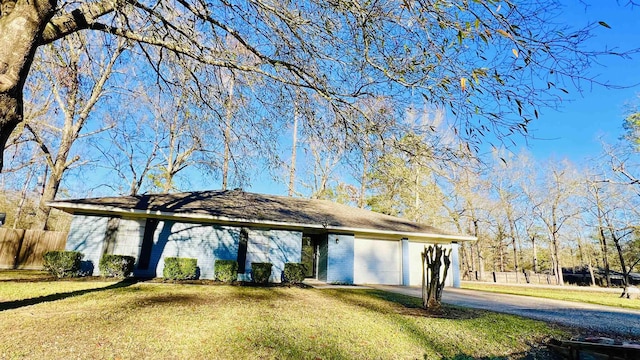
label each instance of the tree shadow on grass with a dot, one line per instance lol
(16, 304)
(410, 306)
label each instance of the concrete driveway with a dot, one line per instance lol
(590, 317)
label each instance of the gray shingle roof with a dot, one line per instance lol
(244, 207)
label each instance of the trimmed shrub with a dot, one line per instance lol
(260, 272)
(226, 270)
(116, 265)
(62, 263)
(176, 268)
(294, 272)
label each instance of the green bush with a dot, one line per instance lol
(116, 265)
(63, 263)
(261, 272)
(176, 268)
(226, 270)
(294, 273)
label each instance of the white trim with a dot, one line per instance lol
(223, 219)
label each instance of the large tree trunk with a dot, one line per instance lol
(21, 25)
(50, 188)
(623, 265)
(513, 236)
(363, 181)
(534, 250)
(294, 151)
(49, 194)
(10, 117)
(227, 130)
(555, 257)
(605, 254)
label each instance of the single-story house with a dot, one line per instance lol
(338, 243)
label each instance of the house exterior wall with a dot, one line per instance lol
(378, 261)
(351, 259)
(129, 237)
(204, 242)
(86, 234)
(257, 247)
(340, 250)
(277, 247)
(286, 246)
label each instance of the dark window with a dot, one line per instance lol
(242, 250)
(309, 256)
(147, 244)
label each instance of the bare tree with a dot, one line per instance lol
(435, 266)
(497, 61)
(77, 91)
(557, 208)
(130, 150)
(324, 162)
(531, 196)
(301, 111)
(294, 153)
(467, 209)
(596, 198)
(504, 180)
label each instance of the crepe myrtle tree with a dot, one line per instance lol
(491, 63)
(435, 265)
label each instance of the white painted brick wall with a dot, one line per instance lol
(129, 237)
(340, 264)
(86, 235)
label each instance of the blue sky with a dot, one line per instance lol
(573, 131)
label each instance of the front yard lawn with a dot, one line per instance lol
(45, 319)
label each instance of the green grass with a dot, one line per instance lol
(105, 320)
(18, 275)
(585, 296)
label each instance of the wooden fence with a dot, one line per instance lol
(511, 277)
(23, 249)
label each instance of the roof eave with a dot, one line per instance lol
(104, 209)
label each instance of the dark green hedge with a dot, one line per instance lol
(63, 263)
(226, 270)
(116, 265)
(176, 268)
(294, 273)
(261, 272)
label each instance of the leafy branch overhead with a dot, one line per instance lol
(491, 63)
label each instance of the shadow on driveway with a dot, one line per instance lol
(591, 317)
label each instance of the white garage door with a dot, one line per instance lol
(377, 262)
